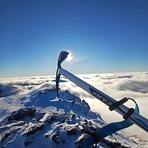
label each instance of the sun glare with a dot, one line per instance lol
(70, 57)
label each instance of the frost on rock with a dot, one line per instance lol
(65, 126)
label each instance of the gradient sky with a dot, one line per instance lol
(103, 36)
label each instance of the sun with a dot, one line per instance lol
(70, 57)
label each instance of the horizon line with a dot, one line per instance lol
(46, 75)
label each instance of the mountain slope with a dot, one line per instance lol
(42, 120)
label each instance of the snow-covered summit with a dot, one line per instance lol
(42, 121)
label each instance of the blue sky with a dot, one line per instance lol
(103, 36)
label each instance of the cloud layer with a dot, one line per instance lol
(116, 85)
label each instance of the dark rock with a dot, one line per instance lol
(34, 129)
(52, 119)
(6, 136)
(9, 133)
(114, 144)
(72, 131)
(54, 138)
(58, 118)
(22, 113)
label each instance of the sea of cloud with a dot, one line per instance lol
(116, 85)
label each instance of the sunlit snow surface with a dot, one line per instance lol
(15, 93)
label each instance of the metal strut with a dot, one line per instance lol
(63, 55)
(130, 115)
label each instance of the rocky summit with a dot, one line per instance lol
(46, 121)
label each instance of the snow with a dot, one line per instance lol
(32, 116)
